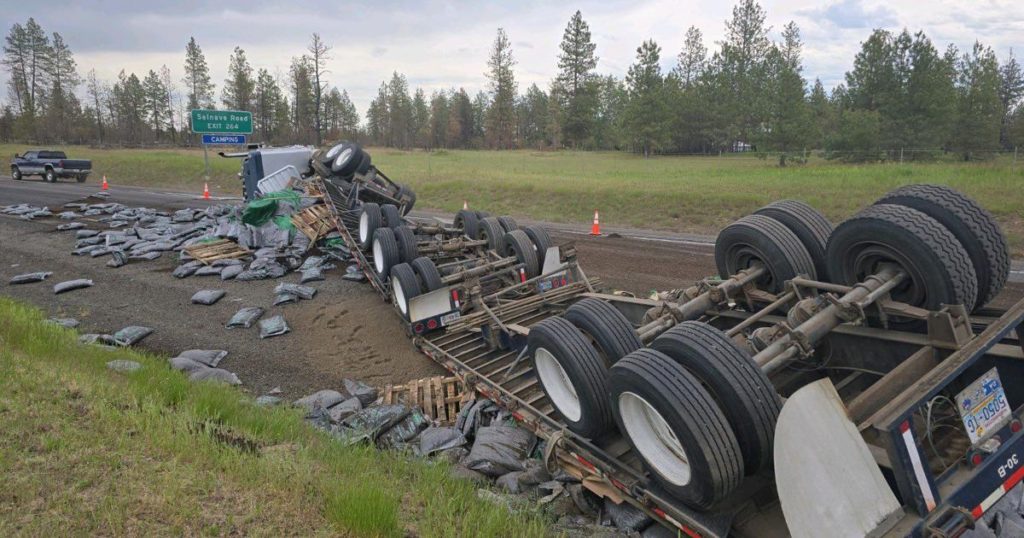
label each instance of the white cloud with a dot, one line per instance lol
(439, 44)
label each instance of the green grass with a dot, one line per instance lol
(685, 194)
(87, 451)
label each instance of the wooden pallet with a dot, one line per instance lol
(314, 221)
(221, 249)
(441, 398)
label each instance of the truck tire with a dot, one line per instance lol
(385, 251)
(390, 216)
(364, 162)
(348, 160)
(809, 226)
(468, 221)
(759, 238)
(369, 220)
(404, 287)
(939, 269)
(541, 240)
(743, 392)
(490, 230)
(517, 244)
(405, 192)
(407, 248)
(508, 223)
(975, 228)
(16, 173)
(572, 375)
(328, 157)
(81, 178)
(428, 274)
(612, 334)
(482, 214)
(697, 460)
(50, 175)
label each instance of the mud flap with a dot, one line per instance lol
(826, 478)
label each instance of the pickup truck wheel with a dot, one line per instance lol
(428, 273)
(742, 390)
(81, 178)
(328, 156)
(676, 426)
(51, 176)
(972, 225)
(15, 173)
(468, 221)
(369, 220)
(385, 251)
(408, 250)
(612, 334)
(516, 243)
(757, 238)
(403, 287)
(572, 375)
(348, 160)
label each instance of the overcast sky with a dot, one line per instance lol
(441, 44)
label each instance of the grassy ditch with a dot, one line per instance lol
(87, 451)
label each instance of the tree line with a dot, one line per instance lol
(902, 99)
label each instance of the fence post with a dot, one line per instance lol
(1014, 165)
(901, 155)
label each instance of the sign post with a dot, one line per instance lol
(220, 127)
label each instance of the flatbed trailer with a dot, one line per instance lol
(936, 498)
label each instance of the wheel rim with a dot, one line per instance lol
(333, 152)
(865, 258)
(378, 257)
(744, 256)
(557, 385)
(654, 439)
(364, 227)
(399, 293)
(343, 158)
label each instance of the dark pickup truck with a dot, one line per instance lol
(50, 165)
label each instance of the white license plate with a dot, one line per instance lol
(449, 317)
(983, 406)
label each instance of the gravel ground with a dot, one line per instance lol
(345, 331)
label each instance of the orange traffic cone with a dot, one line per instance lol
(596, 228)
(465, 204)
(105, 186)
(206, 191)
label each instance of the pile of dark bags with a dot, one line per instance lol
(485, 445)
(262, 227)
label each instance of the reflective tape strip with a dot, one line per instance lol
(998, 493)
(915, 462)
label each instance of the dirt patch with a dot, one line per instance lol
(345, 331)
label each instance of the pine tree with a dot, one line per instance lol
(979, 109)
(693, 59)
(1011, 90)
(97, 93)
(26, 55)
(500, 116)
(303, 106)
(155, 103)
(612, 99)
(786, 114)
(439, 113)
(349, 126)
(822, 111)
(197, 77)
(319, 53)
(646, 123)
(399, 112)
(742, 68)
(420, 126)
(62, 72)
(240, 87)
(377, 120)
(267, 98)
(576, 78)
(533, 117)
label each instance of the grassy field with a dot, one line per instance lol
(687, 194)
(86, 451)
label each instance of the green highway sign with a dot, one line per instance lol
(221, 121)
